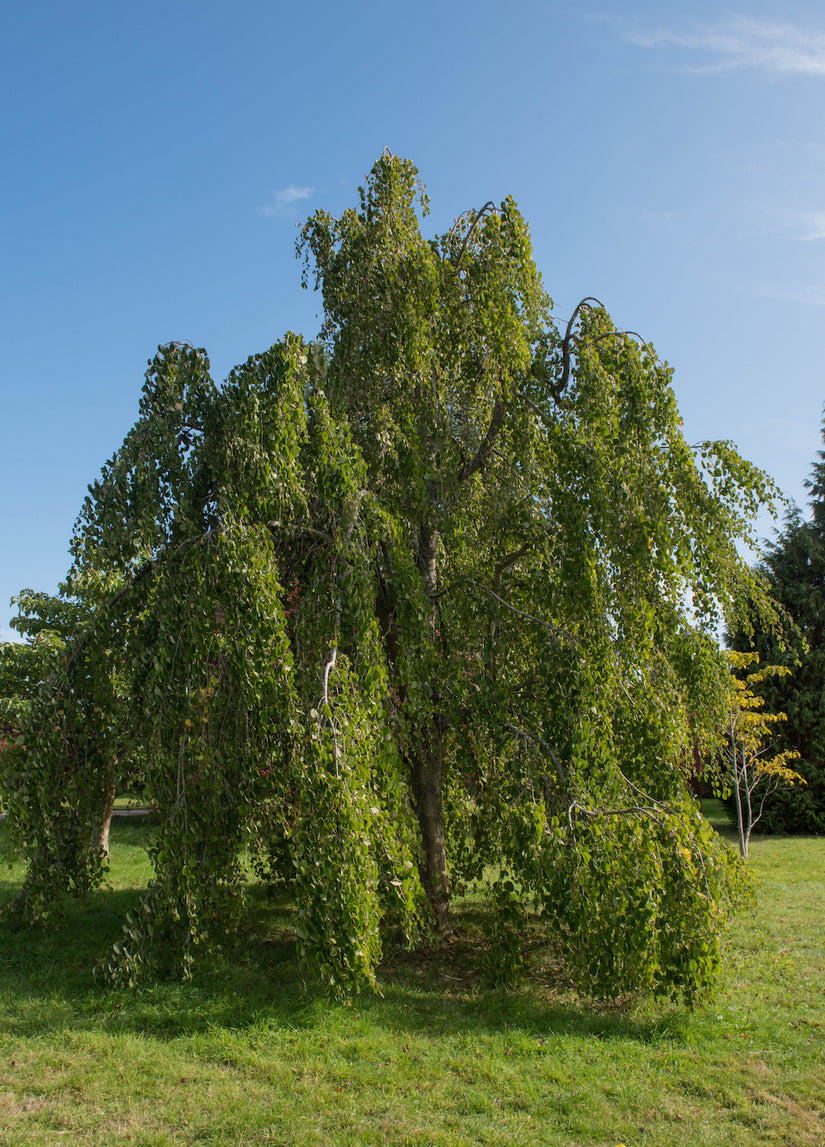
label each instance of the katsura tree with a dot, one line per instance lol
(432, 598)
(752, 767)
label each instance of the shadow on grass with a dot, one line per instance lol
(716, 815)
(48, 982)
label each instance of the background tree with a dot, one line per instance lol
(794, 571)
(71, 744)
(408, 604)
(753, 769)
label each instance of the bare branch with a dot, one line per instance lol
(483, 452)
(548, 748)
(489, 206)
(554, 631)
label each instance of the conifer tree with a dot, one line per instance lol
(794, 571)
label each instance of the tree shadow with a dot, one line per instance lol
(51, 979)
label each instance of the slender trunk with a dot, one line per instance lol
(740, 815)
(749, 808)
(102, 833)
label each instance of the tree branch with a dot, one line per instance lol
(299, 531)
(565, 346)
(510, 560)
(553, 630)
(592, 814)
(548, 748)
(484, 450)
(489, 206)
(624, 334)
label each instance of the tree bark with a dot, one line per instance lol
(427, 778)
(428, 763)
(102, 833)
(743, 828)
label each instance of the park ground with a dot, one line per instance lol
(247, 1053)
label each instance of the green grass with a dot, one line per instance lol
(246, 1054)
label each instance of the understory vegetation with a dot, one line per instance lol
(247, 1052)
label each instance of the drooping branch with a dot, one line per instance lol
(624, 334)
(329, 665)
(147, 569)
(489, 206)
(542, 744)
(83, 638)
(559, 635)
(558, 388)
(594, 814)
(585, 304)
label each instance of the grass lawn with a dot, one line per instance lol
(245, 1054)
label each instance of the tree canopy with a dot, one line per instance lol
(429, 599)
(752, 768)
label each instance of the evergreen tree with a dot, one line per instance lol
(794, 569)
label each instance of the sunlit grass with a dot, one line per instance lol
(246, 1053)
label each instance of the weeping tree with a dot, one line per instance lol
(431, 598)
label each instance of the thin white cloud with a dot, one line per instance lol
(283, 200)
(806, 295)
(812, 224)
(740, 42)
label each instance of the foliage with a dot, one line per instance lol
(799, 809)
(794, 572)
(752, 767)
(46, 622)
(72, 743)
(408, 606)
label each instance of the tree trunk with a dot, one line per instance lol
(742, 828)
(102, 833)
(427, 777)
(428, 763)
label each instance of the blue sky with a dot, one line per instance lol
(669, 157)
